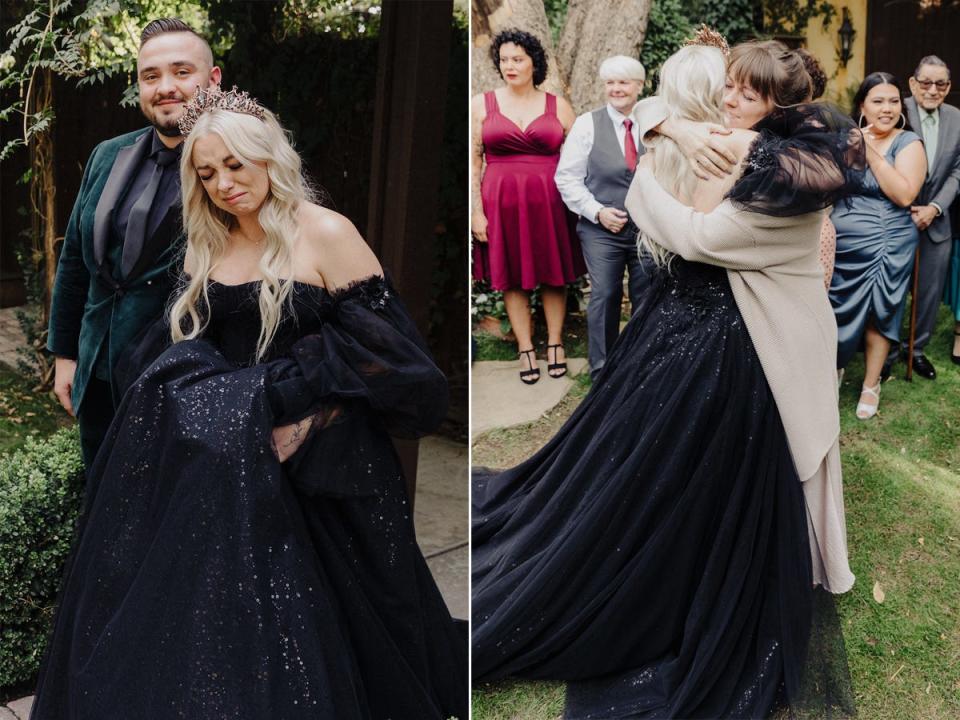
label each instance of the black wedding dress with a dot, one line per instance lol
(655, 552)
(210, 581)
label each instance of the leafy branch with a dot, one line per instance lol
(47, 47)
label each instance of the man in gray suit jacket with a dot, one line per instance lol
(939, 126)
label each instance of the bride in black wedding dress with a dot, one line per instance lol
(247, 546)
(658, 552)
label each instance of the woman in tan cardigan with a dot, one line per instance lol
(763, 76)
(656, 552)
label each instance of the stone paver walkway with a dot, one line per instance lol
(441, 516)
(11, 338)
(500, 399)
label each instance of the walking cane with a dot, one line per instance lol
(913, 313)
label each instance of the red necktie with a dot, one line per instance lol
(629, 146)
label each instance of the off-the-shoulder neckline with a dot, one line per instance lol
(335, 293)
(260, 280)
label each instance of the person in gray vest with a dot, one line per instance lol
(596, 167)
(939, 125)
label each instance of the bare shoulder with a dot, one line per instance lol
(334, 247)
(565, 111)
(739, 141)
(710, 193)
(322, 225)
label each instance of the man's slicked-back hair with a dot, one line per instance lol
(930, 60)
(161, 26)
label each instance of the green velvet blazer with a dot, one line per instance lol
(95, 309)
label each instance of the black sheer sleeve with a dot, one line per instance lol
(367, 353)
(805, 158)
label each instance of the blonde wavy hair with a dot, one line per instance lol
(691, 85)
(250, 141)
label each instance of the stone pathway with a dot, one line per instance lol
(500, 399)
(17, 710)
(441, 517)
(11, 338)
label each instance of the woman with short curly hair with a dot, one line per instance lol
(524, 234)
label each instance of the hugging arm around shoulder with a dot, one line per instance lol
(648, 114)
(721, 237)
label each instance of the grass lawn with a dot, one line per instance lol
(25, 412)
(902, 490)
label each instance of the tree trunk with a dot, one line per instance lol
(43, 191)
(491, 17)
(594, 30)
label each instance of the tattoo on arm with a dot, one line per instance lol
(476, 142)
(299, 430)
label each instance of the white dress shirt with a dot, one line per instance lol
(572, 168)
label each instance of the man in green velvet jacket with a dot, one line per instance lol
(124, 237)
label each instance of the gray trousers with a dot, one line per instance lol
(607, 257)
(934, 262)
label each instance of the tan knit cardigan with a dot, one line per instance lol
(772, 264)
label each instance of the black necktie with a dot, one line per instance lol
(136, 233)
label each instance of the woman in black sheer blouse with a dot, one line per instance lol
(247, 547)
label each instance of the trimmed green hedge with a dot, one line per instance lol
(40, 494)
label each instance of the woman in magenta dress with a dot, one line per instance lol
(524, 234)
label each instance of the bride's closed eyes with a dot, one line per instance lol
(205, 173)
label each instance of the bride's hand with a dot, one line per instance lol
(706, 154)
(287, 439)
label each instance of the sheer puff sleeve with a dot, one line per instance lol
(805, 158)
(367, 353)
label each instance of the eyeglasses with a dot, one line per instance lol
(925, 84)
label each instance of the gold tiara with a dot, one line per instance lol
(214, 98)
(711, 38)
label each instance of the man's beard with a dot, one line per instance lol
(167, 130)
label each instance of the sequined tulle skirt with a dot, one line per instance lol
(210, 582)
(654, 553)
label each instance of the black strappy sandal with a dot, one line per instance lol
(556, 365)
(529, 377)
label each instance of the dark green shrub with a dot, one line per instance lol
(40, 494)
(667, 28)
(736, 20)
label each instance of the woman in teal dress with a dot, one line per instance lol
(876, 237)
